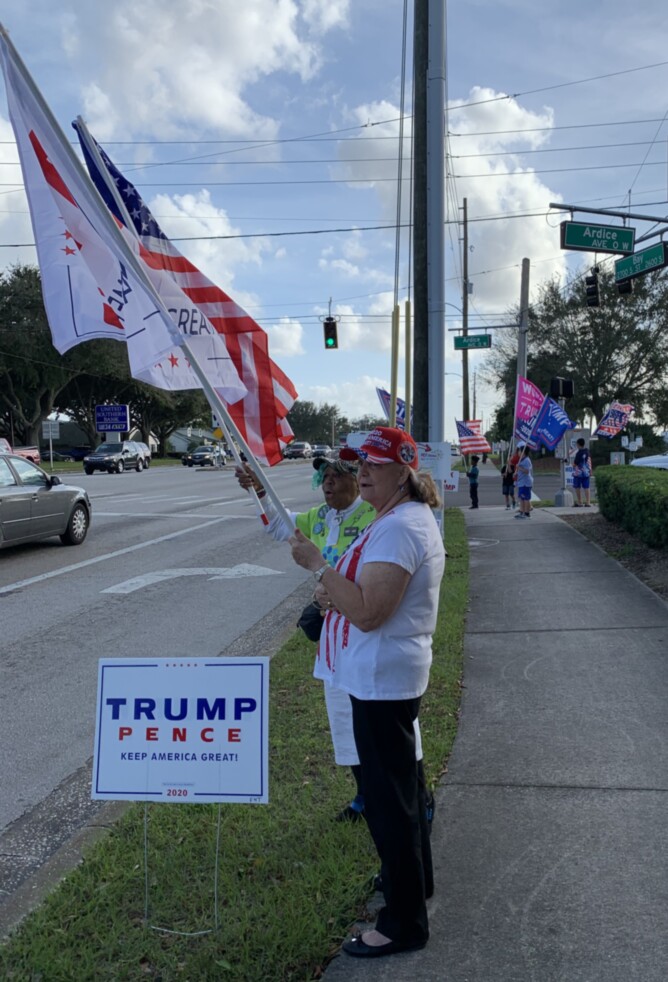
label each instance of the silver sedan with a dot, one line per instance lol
(35, 505)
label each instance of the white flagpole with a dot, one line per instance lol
(217, 404)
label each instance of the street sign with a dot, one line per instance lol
(112, 419)
(597, 238)
(473, 341)
(50, 429)
(656, 257)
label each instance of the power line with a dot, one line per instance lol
(560, 85)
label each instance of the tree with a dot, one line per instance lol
(32, 372)
(104, 377)
(315, 423)
(173, 410)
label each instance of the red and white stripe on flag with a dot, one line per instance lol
(260, 415)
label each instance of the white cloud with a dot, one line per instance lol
(349, 263)
(194, 216)
(323, 15)
(15, 224)
(175, 68)
(507, 185)
(286, 339)
(354, 398)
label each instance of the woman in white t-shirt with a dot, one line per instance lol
(382, 601)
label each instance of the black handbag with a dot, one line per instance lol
(311, 620)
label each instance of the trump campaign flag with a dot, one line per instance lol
(93, 281)
(551, 423)
(385, 401)
(219, 322)
(614, 420)
(471, 439)
(528, 403)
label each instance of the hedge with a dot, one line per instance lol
(637, 499)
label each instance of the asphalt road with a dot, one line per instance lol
(176, 564)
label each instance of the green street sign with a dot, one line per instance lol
(597, 238)
(473, 341)
(656, 257)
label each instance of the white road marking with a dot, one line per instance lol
(160, 514)
(110, 555)
(213, 572)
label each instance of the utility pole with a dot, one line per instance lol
(429, 219)
(465, 313)
(436, 217)
(420, 294)
(524, 321)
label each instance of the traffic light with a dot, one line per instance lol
(591, 289)
(625, 287)
(331, 336)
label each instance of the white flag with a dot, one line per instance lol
(94, 282)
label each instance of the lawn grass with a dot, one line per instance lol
(291, 880)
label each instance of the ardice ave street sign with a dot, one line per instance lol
(656, 257)
(597, 238)
(473, 341)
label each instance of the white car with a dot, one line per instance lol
(659, 460)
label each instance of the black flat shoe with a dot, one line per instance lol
(359, 949)
(349, 814)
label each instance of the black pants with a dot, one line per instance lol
(473, 491)
(395, 808)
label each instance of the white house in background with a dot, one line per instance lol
(182, 439)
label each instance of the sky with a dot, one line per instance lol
(264, 138)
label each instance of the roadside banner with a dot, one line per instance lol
(189, 730)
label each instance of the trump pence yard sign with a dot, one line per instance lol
(182, 730)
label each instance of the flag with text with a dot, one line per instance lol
(528, 402)
(614, 420)
(550, 425)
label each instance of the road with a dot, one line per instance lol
(176, 563)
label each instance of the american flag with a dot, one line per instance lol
(471, 439)
(260, 415)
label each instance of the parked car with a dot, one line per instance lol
(146, 452)
(114, 458)
(36, 505)
(203, 456)
(659, 460)
(321, 450)
(77, 453)
(298, 449)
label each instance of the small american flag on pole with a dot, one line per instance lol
(471, 439)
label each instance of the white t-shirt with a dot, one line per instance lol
(393, 661)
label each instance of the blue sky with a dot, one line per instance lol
(248, 120)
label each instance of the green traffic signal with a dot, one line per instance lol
(330, 331)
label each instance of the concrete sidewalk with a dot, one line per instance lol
(550, 839)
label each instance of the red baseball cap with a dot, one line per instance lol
(385, 445)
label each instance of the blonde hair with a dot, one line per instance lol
(423, 489)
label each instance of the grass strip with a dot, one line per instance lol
(291, 880)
